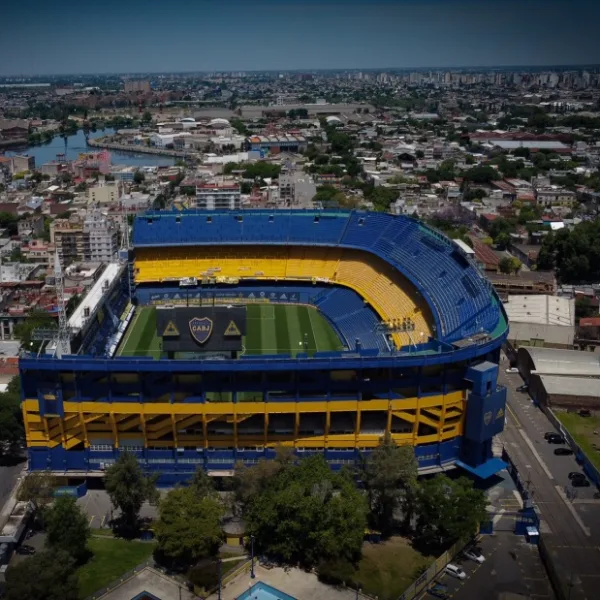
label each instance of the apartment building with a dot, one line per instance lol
(213, 196)
(103, 235)
(552, 196)
(142, 85)
(107, 192)
(94, 238)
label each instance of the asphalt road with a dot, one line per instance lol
(571, 530)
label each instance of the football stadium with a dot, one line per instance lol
(222, 335)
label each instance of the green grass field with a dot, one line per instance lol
(582, 429)
(111, 559)
(270, 329)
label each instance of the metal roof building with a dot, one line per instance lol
(567, 378)
(550, 361)
(541, 320)
(579, 392)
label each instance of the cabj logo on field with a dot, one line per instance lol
(201, 329)
(487, 418)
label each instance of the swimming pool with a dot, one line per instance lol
(262, 591)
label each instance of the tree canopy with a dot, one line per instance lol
(447, 510)
(11, 416)
(37, 319)
(67, 528)
(49, 575)
(188, 527)
(573, 253)
(481, 174)
(308, 513)
(128, 489)
(390, 477)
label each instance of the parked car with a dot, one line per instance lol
(580, 482)
(474, 553)
(549, 434)
(563, 452)
(576, 475)
(455, 571)
(584, 412)
(439, 590)
(512, 370)
(555, 438)
(25, 549)
(523, 388)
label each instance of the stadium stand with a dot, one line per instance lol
(371, 275)
(460, 299)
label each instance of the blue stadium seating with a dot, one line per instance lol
(461, 297)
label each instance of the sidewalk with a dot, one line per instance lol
(12, 499)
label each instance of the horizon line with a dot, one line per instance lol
(311, 69)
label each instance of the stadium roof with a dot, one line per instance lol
(571, 386)
(550, 361)
(93, 297)
(541, 310)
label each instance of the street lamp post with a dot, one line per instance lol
(219, 579)
(252, 575)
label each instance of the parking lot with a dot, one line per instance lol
(511, 565)
(97, 506)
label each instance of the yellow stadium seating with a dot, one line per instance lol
(391, 295)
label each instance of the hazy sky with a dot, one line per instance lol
(44, 37)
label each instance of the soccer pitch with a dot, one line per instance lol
(270, 329)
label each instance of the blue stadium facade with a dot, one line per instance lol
(422, 326)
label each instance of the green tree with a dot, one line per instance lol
(307, 513)
(146, 117)
(159, 202)
(49, 575)
(38, 488)
(390, 477)
(573, 253)
(448, 510)
(72, 304)
(11, 416)
(239, 126)
(36, 319)
(381, 197)
(67, 528)
(188, 527)
(128, 488)
(509, 264)
(502, 240)
(481, 174)
(138, 177)
(252, 481)
(202, 484)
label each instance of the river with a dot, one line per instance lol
(76, 144)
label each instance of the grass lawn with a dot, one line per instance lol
(112, 558)
(140, 339)
(582, 429)
(387, 569)
(230, 565)
(283, 329)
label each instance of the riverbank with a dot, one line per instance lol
(99, 143)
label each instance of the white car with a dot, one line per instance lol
(455, 571)
(474, 554)
(512, 370)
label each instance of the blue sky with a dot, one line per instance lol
(45, 37)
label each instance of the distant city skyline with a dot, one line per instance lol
(152, 37)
